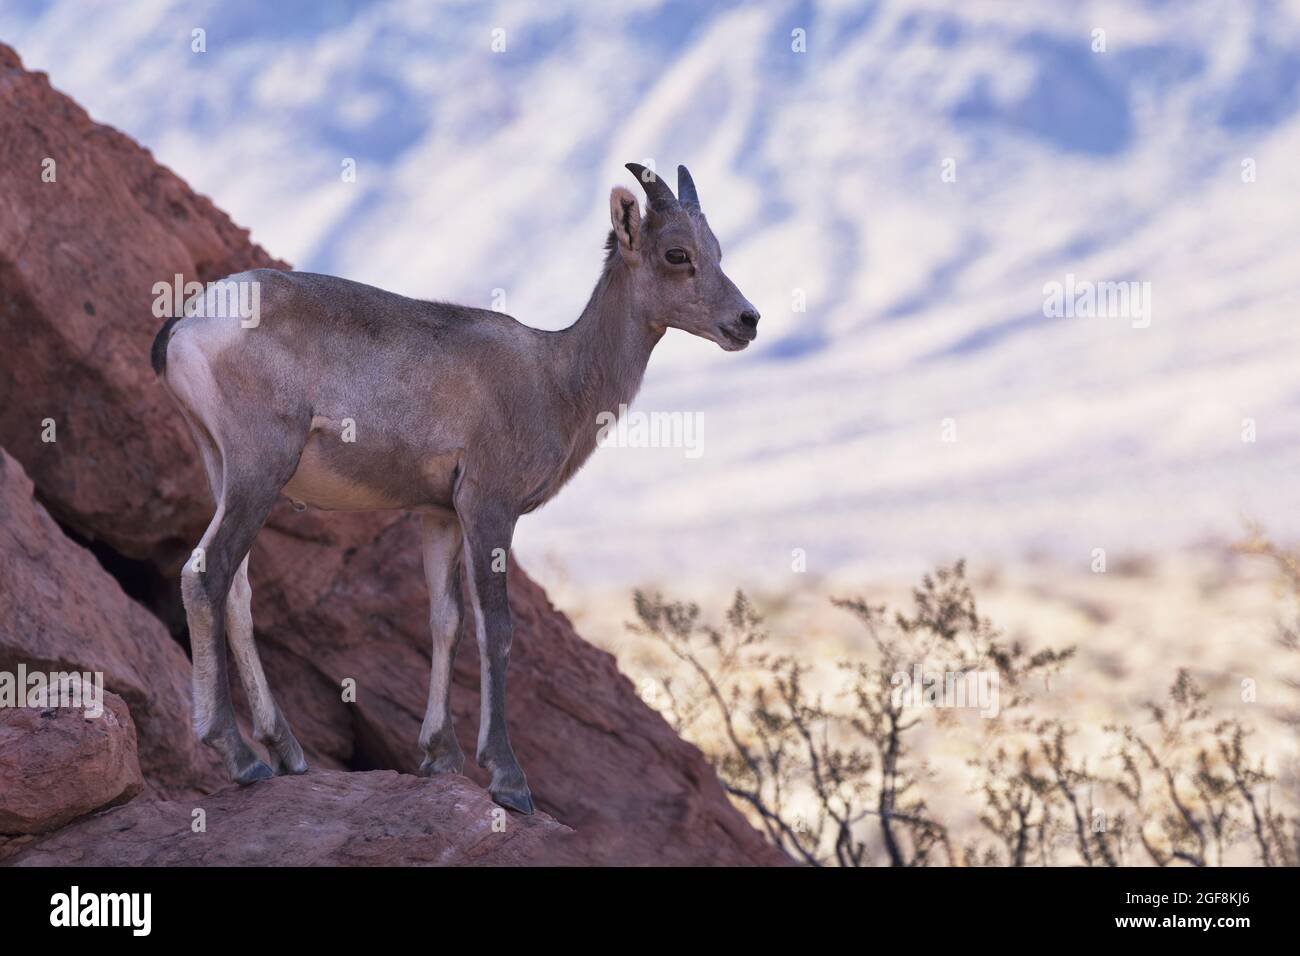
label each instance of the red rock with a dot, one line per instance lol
(324, 818)
(61, 611)
(78, 260)
(57, 764)
(597, 758)
(335, 596)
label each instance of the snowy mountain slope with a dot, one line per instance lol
(822, 173)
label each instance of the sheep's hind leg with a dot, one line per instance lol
(269, 725)
(247, 495)
(205, 583)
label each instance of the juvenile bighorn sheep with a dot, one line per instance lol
(463, 415)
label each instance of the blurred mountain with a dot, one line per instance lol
(917, 176)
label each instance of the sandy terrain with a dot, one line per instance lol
(1210, 610)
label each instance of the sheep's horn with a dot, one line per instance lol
(656, 190)
(690, 199)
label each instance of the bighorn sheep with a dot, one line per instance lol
(463, 415)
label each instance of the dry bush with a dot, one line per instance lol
(834, 777)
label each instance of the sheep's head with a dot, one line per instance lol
(676, 262)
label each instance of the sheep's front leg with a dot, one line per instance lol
(487, 534)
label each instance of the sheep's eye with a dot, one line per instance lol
(677, 256)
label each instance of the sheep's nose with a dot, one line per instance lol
(749, 319)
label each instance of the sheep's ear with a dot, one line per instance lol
(625, 217)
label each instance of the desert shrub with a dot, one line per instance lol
(826, 761)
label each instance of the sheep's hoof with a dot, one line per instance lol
(443, 763)
(283, 768)
(286, 757)
(253, 772)
(520, 800)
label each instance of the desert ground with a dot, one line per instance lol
(1214, 610)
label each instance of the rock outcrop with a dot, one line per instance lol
(60, 763)
(323, 818)
(336, 597)
(88, 224)
(61, 611)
